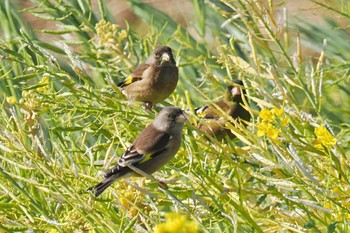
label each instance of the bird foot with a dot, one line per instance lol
(162, 185)
(148, 106)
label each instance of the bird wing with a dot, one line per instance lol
(147, 145)
(212, 112)
(135, 76)
(152, 140)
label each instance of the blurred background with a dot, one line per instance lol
(183, 12)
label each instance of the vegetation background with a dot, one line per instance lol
(63, 120)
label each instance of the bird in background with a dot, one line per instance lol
(213, 122)
(154, 80)
(152, 149)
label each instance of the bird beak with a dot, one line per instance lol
(183, 117)
(165, 57)
(236, 91)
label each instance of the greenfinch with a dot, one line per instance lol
(213, 121)
(153, 81)
(152, 149)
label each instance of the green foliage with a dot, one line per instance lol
(63, 121)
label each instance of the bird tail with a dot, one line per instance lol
(100, 187)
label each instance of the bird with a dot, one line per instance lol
(151, 150)
(213, 121)
(154, 80)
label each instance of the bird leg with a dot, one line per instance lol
(161, 184)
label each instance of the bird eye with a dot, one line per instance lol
(157, 55)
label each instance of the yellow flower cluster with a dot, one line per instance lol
(176, 223)
(31, 101)
(131, 199)
(268, 122)
(73, 222)
(108, 34)
(11, 100)
(44, 84)
(32, 105)
(323, 138)
(340, 195)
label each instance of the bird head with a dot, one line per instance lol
(163, 54)
(169, 117)
(234, 92)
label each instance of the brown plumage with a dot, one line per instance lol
(154, 80)
(152, 149)
(213, 122)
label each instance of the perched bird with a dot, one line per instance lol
(151, 150)
(154, 80)
(213, 123)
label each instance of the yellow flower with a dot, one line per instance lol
(347, 216)
(266, 115)
(106, 32)
(176, 223)
(131, 199)
(270, 121)
(44, 83)
(26, 93)
(262, 129)
(124, 202)
(269, 130)
(278, 111)
(53, 230)
(323, 138)
(122, 35)
(11, 100)
(328, 205)
(273, 133)
(346, 204)
(284, 121)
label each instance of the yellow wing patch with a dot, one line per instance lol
(146, 158)
(200, 112)
(130, 79)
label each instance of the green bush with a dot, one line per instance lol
(64, 121)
